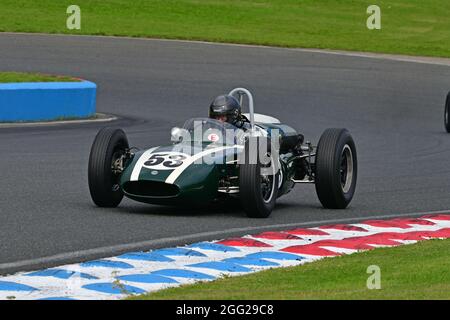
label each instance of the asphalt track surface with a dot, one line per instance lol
(393, 109)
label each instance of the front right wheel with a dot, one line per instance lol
(336, 168)
(109, 145)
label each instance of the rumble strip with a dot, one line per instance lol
(140, 272)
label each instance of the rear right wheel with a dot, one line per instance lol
(336, 168)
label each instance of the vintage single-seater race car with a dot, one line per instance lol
(209, 159)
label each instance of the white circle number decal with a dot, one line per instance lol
(165, 160)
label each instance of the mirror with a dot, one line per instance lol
(176, 134)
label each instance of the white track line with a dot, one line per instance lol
(212, 234)
(104, 118)
(143, 272)
(370, 55)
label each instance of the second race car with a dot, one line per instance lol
(447, 113)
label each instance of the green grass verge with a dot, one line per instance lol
(418, 271)
(414, 27)
(12, 77)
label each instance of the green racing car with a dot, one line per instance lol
(229, 154)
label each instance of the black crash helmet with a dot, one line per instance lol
(225, 105)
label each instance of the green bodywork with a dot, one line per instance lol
(197, 182)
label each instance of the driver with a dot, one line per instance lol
(226, 108)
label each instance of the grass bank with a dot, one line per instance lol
(13, 77)
(413, 27)
(418, 271)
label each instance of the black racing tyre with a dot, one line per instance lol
(108, 146)
(258, 179)
(447, 113)
(336, 168)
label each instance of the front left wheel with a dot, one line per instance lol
(109, 145)
(258, 179)
(447, 113)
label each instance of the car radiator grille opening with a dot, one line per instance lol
(150, 189)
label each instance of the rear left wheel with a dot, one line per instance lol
(109, 145)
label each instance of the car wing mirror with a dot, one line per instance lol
(176, 134)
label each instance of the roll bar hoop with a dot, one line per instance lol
(241, 92)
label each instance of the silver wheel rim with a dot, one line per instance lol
(346, 168)
(116, 186)
(267, 182)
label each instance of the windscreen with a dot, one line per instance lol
(209, 130)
